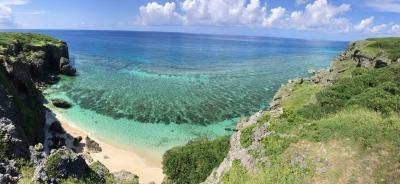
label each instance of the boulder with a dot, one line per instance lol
(39, 147)
(64, 163)
(311, 71)
(126, 177)
(92, 146)
(66, 68)
(56, 127)
(61, 103)
(382, 62)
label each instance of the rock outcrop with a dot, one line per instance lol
(92, 146)
(60, 103)
(27, 63)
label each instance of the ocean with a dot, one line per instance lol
(152, 91)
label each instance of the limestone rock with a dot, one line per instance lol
(64, 163)
(9, 172)
(125, 177)
(61, 103)
(92, 146)
(68, 70)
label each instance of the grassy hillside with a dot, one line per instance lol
(343, 132)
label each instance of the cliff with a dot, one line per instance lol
(28, 63)
(340, 126)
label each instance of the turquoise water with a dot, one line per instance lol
(158, 90)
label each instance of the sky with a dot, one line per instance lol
(310, 19)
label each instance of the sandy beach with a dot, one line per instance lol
(117, 159)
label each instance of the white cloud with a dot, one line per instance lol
(6, 16)
(320, 15)
(13, 2)
(6, 13)
(157, 14)
(378, 28)
(317, 15)
(364, 25)
(223, 12)
(395, 29)
(276, 15)
(384, 5)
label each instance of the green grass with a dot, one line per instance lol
(390, 45)
(27, 170)
(9, 38)
(193, 163)
(236, 174)
(246, 136)
(362, 126)
(301, 95)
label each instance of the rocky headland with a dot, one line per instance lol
(32, 149)
(327, 128)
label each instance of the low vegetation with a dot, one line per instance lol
(358, 114)
(7, 39)
(193, 162)
(246, 136)
(389, 45)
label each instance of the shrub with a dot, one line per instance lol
(376, 89)
(194, 162)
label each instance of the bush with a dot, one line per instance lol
(377, 90)
(194, 162)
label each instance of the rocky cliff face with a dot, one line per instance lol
(27, 63)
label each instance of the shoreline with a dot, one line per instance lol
(115, 158)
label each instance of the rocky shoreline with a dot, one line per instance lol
(354, 53)
(28, 63)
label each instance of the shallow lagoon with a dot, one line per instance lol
(158, 90)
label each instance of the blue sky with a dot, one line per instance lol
(316, 19)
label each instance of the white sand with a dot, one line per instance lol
(116, 159)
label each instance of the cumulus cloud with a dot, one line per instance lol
(6, 16)
(6, 13)
(316, 15)
(276, 15)
(320, 15)
(379, 28)
(364, 25)
(223, 12)
(158, 14)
